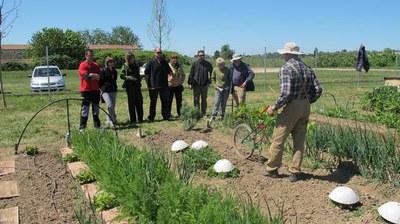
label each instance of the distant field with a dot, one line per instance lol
(50, 124)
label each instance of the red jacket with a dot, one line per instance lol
(87, 83)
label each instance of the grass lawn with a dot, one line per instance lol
(50, 126)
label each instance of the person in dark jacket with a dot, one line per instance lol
(131, 76)
(241, 75)
(108, 87)
(89, 74)
(199, 80)
(156, 75)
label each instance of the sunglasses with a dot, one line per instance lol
(201, 55)
(158, 52)
(174, 58)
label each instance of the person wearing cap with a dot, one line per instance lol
(241, 75)
(199, 80)
(108, 87)
(133, 87)
(156, 75)
(221, 77)
(89, 74)
(299, 87)
(175, 81)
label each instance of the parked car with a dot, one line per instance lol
(41, 76)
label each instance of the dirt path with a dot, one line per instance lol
(272, 70)
(306, 199)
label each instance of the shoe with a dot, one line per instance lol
(272, 174)
(294, 177)
(208, 124)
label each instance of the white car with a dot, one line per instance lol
(43, 75)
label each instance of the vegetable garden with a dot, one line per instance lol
(353, 142)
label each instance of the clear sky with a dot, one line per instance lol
(247, 26)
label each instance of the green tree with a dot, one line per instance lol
(122, 35)
(99, 36)
(68, 45)
(226, 51)
(217, 54)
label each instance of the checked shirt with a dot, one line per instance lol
(291, 85)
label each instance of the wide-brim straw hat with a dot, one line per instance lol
(236, 57)
(291, 48)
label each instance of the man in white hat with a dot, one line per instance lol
(241, 75)
(299, 88)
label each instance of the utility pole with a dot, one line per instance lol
(265, 69)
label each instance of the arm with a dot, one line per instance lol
(250, 76)
(124, 73)
(285, 86)
(316, 90)
(191, 74)
(86, 74)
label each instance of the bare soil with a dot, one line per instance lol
(305, 201)
(47, 192)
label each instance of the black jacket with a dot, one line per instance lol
(200, 73)
(362, 60)
(108, 80)
(157, 73)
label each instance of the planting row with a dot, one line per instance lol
(152, 186)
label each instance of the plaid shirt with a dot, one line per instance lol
(291, 87)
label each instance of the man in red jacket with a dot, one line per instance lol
(89, 74)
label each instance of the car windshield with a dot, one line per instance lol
(42, 72)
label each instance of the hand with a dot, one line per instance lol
(190, 86)
(243, 85)
(94, 76)
(270, 111)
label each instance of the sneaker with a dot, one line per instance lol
(272, 174)
(294, 177)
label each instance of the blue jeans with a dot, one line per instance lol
(109, 98)
(221, 97)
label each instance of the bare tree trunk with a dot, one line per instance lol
(4, 15)
(1, 76)
(160, 25)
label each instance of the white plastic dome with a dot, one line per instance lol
(343, 195)
(200, 144)
(179, 145)
(390, 211)
(223, 166)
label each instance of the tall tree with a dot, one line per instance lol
(226, 51)
(122, 35)
(68, 45)
(160, 26)
(7, 19)
(99, 36)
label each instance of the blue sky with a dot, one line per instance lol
(247, 26)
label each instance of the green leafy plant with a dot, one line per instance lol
(31, 150)
(105, 201)
(85, 176)
(190, 115)
(201, 159)
(212, 173)
(71, 157)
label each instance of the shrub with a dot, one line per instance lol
(15, 66)
(190, 116)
